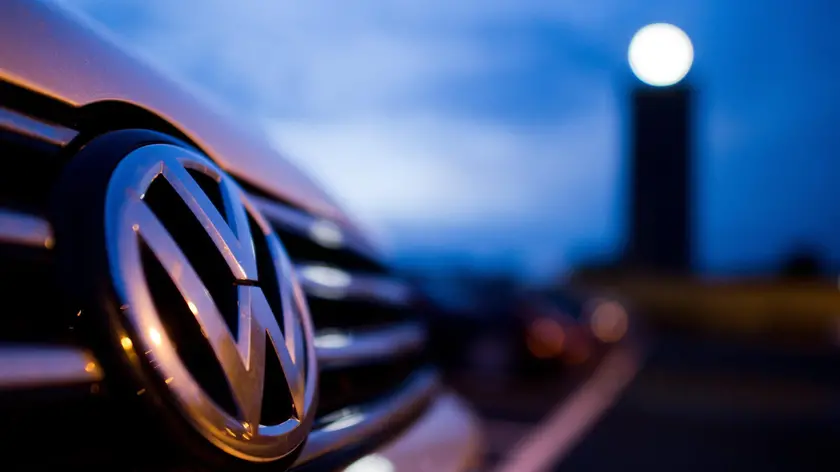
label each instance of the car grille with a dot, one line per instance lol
(30, 152)
(46, 374)
(369, 340)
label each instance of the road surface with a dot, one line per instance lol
(675, 402)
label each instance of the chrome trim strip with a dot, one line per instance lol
(36, 367)
(339, 348)
(318, 230)
(34, 128)
(325, 281)
(25, 230)
(351, 427)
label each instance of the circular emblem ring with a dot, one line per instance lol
(130, 223)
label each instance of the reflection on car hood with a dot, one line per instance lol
(55, 54)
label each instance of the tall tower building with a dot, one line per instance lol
(661, 179)
(660, 200)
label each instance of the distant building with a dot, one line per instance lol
(660, 201)
(661, 180)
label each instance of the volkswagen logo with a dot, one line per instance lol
(248, 308)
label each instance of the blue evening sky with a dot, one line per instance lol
(491, 132)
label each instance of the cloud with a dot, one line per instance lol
(324, 57)
(492, 126)
(365, 95)
(433, 170)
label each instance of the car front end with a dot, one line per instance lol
(107, 162)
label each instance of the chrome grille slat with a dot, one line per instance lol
(317, 230)
(25, 230)
(325, 281)
(30, 367)
(339, 349)
(32, 128)
(354, 426)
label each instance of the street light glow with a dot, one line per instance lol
(660, 54)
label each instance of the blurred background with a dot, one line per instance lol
(657, 222)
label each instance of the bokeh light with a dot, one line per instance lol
(660, 54)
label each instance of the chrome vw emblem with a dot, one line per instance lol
(232, 228)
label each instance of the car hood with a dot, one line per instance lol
(59, 53)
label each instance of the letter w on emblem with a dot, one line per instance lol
(242, 357)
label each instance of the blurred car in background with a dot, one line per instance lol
(523, 331)
(562, 326)
(177, 295)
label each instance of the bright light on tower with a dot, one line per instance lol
(660, 54)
